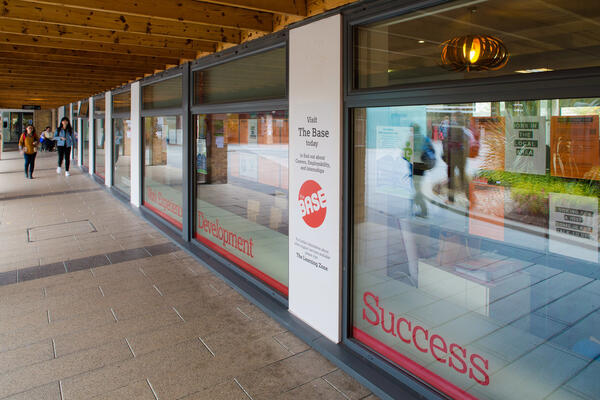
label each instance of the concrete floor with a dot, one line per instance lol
(96, 303)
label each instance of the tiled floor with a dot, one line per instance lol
(116, 312)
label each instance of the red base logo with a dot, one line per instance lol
(313, 203)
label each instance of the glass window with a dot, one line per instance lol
(258, 77)
(242, 191)
(84, 109)
(163, 94)
(122, 154)
(163, 152)
(85, 129)
(475, 247)
(465, 40)
(99, 137)
(99, 106)
(122, 103)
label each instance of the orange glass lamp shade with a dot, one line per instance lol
(474, 53)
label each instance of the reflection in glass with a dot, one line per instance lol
(163, 94)
(242, 191)
(163, 152)
(481, 266)
(122, 154)
(541, 36)
(257, 77)
(99, 138)
(85, 129)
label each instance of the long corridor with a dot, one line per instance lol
(97, 303)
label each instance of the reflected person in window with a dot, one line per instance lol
(456, 151)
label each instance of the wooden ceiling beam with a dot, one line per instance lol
(42, 59)
(178, 11)
(101, 35)
(67, 16)
(62, 66)
(287, 7)
(87, 55)
(110, 49)
(35, 70)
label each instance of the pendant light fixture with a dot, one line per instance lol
(474, 53)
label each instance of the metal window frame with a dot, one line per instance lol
(115, 92)
(575, 83)
(95, 117)
(183, 111)
(255, 47)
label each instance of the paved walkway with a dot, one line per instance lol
(97, 304)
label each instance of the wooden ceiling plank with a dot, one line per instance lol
(177, 10)
(92, 55)
(67, 16)
(110, 49)
(101, 35)
(41, 59)
(287, 7)
(10, 62)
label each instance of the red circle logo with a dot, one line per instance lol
(312, 203)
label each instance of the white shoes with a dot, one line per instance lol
(58, 170)
(67, 173)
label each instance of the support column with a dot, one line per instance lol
(187, 156)
(108, 140)
(315, 95)
(61, 113)
(91, 136)
(73, 125)
(136, 144)
(79, 136)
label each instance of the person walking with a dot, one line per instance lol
(28, 144)
(64, 141)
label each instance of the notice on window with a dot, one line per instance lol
(486, 210)
(574, 226)
(574, 147)
(526, 145)
(492, 138)
(393, 158)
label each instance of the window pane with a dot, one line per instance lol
(85, 128)
(538, 35)
(122, 154)
(258, 77)
(99, 160)
(84, 109)
(163, 94)
(476, 244)
(122, 103)
(99, 106)
(163, 152)
(242, 191)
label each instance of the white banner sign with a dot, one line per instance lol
(315, 174)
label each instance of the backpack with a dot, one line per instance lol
(428, 155)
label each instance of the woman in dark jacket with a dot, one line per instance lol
(64, 141)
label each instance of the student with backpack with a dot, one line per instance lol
(64, 141)
(28, 144)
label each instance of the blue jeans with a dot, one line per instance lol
(29, 164)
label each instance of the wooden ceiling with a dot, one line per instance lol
(56, 52)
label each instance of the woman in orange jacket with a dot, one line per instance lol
(28, 144)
